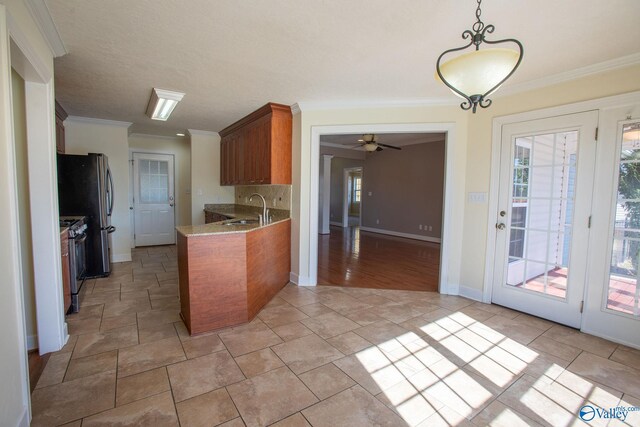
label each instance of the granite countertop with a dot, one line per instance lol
(234, 212)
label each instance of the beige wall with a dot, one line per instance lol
(406, 189)
(95, 136)
(180, 148)
(24, 208)
(205, 174)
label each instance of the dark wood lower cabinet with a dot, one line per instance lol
(225, 279)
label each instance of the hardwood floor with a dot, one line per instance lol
(36, 366)
(353, 258)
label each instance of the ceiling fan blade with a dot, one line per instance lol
(390, 146)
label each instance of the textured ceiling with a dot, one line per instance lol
(233, 56)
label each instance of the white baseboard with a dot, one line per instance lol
(121, 257)
(399, 234)
(339, 224)
(24, 420)
(471, 293)
(32, 342)
(609, 338)
(300, 280)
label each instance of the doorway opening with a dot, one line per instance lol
(385, 211)
(351, 214)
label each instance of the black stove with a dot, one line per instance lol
(77, 255)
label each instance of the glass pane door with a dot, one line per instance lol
(543, 191)
(623, 291)
(544, 202)
(611, 304)
(154, 181)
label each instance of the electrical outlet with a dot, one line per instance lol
(377, 221)
(199, 191)
(430, 228)
(420, 227)
(274, 201)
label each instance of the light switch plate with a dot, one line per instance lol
(477, 198)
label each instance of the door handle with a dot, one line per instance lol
(171, 204)
(500, 226)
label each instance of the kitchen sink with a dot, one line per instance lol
(242, 221)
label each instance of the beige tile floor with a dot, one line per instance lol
(325, 356)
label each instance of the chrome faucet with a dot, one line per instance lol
(263, 218)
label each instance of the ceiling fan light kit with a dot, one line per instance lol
(475, 75)
(370, 144)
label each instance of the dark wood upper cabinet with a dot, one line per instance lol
(61, 115)
(257, 148)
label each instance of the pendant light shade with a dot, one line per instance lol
(476, 74)
(479, 71)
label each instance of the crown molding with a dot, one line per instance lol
(295, 109)
(41, 15)
(600, 67)
(92, 120)
(343, 105)
(192, 132)
(152, 136)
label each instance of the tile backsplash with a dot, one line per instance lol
(277, 196)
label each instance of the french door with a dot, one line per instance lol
(153, 199)
(544, 208)
(568, 224)
(612, 300)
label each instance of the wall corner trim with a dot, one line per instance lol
(300, 280)
(41, 15)
(124, 257)
(296, 109)
(201, 132)
(25, 418)
(92, 120)
(471, 293)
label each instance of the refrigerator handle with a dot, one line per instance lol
(110, 191)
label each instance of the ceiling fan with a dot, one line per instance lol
(368, 141)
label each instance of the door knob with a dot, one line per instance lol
(171, 204)
(500, 226)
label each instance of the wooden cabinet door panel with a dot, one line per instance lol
(257, 148)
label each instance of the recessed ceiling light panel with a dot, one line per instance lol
(162, 103)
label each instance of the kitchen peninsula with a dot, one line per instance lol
(229, 269)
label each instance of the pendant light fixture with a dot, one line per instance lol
(477, 74)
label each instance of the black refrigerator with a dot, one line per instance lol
(85, 187)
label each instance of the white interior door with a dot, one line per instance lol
(546, 183)
(611, 307)
(153, 199)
